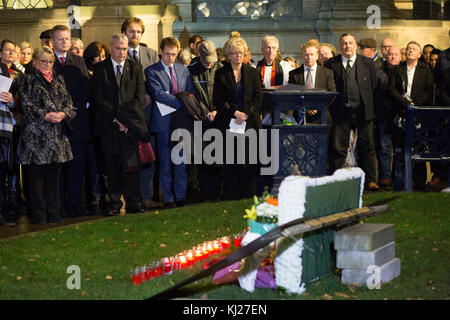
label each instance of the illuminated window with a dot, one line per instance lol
(269, 9)
(26, 4)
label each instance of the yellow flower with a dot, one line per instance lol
(250, 214)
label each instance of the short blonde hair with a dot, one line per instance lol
(234, 43)
(25, 45)
(309, 44)
(38, 52)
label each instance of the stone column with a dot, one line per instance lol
(167, 20)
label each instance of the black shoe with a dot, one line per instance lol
(180, 203)
(134, 210)
(94, 210)
(169, 205)
(55, 220)
(150, 205)
(112, 212)
(39, 223)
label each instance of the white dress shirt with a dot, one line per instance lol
(130, 51)
(115, 64)
(352, 61)
(410, 73)
(166, 67)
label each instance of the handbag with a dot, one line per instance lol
(146, 153)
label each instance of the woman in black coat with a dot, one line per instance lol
(44, 145)
(238, 96)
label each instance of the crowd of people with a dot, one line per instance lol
(76, 118)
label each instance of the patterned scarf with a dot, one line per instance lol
(47, 76)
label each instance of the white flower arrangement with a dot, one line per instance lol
(267, 210)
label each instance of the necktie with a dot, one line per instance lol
(63, 61)
(135, 57)
(309, 80)
(349, 66)
(174, 81)
(118, 78)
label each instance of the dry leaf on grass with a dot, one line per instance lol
(108, 277)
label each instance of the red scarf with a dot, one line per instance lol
(47, 76)
(272, 74)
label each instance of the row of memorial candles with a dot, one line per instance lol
(168, 265)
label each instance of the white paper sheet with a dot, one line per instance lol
(164, 109)
(237, 128)
(5, 83)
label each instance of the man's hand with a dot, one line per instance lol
(240, 117)
(211, 116)
(6, 97)
(122, 128)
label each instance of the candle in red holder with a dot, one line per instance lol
(198, 254)
(237, 240)
(167, 266)
(216, 246)
(158, 270)
(176, 263)
(183, 261)
(143, 274)
(190, 257)
(226, 242)
(210, 247)
(135, 277)
(150, 272)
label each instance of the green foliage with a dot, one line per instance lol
(34, 266)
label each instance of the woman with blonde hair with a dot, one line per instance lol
(43, 144)
(238, 98)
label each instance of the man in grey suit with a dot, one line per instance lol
(134, 28)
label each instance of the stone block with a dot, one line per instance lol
(364, 237)
(350, 259)
(386, 273)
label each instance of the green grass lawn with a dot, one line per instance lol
(34, 266)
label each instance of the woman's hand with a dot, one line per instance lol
(55, 117)
(6, 97)
(240, 117)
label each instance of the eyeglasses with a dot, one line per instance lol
(237, 53)
(47, 61)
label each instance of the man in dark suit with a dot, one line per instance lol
(76, 78)
(353, 107)
(165, 79)
(411, 82)
(119, 96)
(134, 28)
(312, 75)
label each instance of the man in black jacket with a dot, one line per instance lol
(411, 82)
(202, 74)
(119, 96)
(384, 117)
(76, 77)
(442, 78)
(353, 107)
